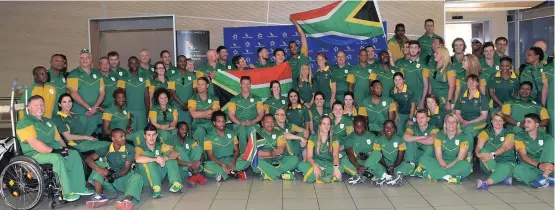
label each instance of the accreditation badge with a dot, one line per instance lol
(540, 142)
(457, 142)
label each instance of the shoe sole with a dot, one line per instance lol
(124, 206)
(95, 204)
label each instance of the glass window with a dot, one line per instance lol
(512, 38)
(532, 31)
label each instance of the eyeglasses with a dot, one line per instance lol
(85, 51)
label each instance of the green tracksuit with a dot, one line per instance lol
(184, 84)
(69, 169)
(548, 70)
(323, 157)
(110, 84)
(439, 82)
(386, 77)
(88, 86)
(245, 109)
(222, 148)
(152, 172)
(201, 127)
(517, 108)
(404, 100)
(188, 148)
(359, 76)
(272, 168)
(536, 76)
(502, 165)
(415, 73)
(377, 113)
(416, 150)
(390, 149)
(449, 150)
(437, 117)
(118, 119)
(131, 184)
(361, 144)
(339, 77)
(272, 104)
(135, 87)
(342, 129)
(470, 110)
(317, 117)
(322, 79)
(293, 147)
(539, 149)
(72, 124)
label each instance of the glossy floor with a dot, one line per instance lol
(415, 194)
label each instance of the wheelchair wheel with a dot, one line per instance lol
(24, 184)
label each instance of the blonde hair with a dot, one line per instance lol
(301, 75)
(473, 64)
(446, 61)
(498, 114)
(452, 114)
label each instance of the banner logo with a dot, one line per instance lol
(191, 47)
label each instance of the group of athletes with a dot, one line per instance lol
(413, 111)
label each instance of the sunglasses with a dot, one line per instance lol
(85, 51)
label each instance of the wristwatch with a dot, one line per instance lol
(89, 109)
(493, 155)
(518, 124)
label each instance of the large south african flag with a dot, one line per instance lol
(342, 22)
(226, 83)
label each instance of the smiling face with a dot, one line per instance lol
(293, 98)
(120, 99)
(399, 82)
(36, 107)
(451, 124)
(319, 100)
(181, 62)
(166, 58)
(85, 60)
(66, 104)
(337, 110)
(489, 52)
(341, 58)
(150, 137)
(414, 49)
(114, 61)
(104, 65)
(183, 130)
(160, 69)
(280, 116)
(530, 125)
(118, 138)
(497, 122)
(389, 129)
(505, 66)
(325, 125)
(279, 57)
(219, 123)
(360, 127)
(163, 99)
(246, 86)
(268, 123)
(349, 101)
(275, 89)
(144, 57)
(321, 61)
(459, 47)
(422, 119)
(202, 87)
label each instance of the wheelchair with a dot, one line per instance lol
(24, 182)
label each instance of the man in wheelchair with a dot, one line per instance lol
(41, 141)
(113, 171)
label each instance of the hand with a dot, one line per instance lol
(332, 100)
(102, 171)
(360, 169)
(522, 124)
(64, 151)
(93, 110)
(442, 164)
(226, 169)
(129, 130)
(232, 164)
(303, 142)
(251, 66)
(160, 160)
(447, 106)
(336, 173)
(410, 122)
(390, 170)
(545, 167)
(317, 171)
(100, 109)
(212, 75)
(88, 113)
(464, 123)
(173, 124)
(486, 156)
(421, 105)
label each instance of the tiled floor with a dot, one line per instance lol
(415, 194)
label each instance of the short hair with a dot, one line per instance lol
(181, 123)
(118, 91)
(132, 58)
(432, 96)
(38, 68)
(272, 85)
(259, 50)
(267, 115)
(473, 77)
(537, 51)
(217, 114)
(488, 44)
(506, 58)
(370, 46)
(150, 127)
(220, 48)
(441, 40)
(399, 25)
(422, 111)
(292, 42)
(116, 130)
(36, 97)
(338, 102)
(359, 118)
(235, 60)
(245, 78)
(112, 54)
(399, 74)
(102, 58)
(499, 114)
(458, 39)
(527, 83)
(428, 20)
(501, 38)
(374, 82)
(204, 79)
(533, 116)
(361, 51)
(164, 51)
(277, 50)
(390, 121)
(411, 42)
(56, 55)
(182, 56)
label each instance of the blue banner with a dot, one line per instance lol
(245, 41)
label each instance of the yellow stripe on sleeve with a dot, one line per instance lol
(483, 135)
(519, 144)
(121, 84)
(510, 137)
(350, 78)
(281, 140)
(372, 76)
(362, 111)
(235, 140)
(191, 103)
(231, 106)
(409, 132)
(402, 147)
(425, 73)
(437, 143)
(207, 145)
(73, 83)
(543, 114)
(464, 145)
(171, 85)
(216, 106)
(434, 131)
(506, 109)
(377, 147)
(26, 133)
(152, 114)
(310, 145)
(259, 105)
(107, 116)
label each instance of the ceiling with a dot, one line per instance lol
(489, 6)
